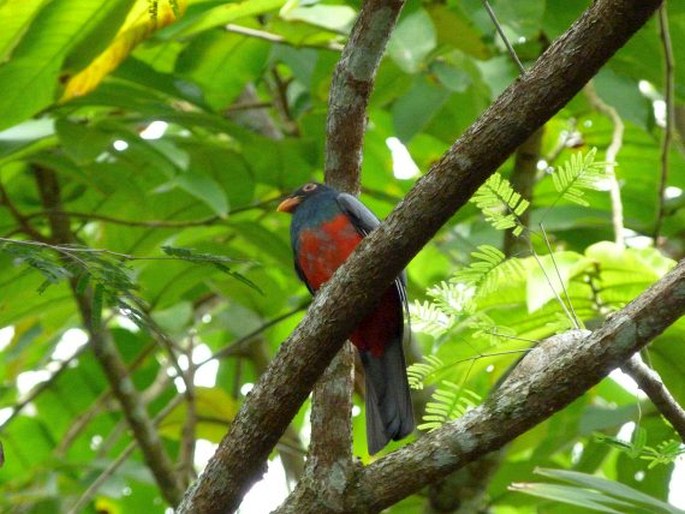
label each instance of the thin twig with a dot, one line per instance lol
(506, 41)
(210, 220)
(574, 317)
(275, 38)
(611, 154)
(239, 346)
(41, 387)
(24, 225)
(549, 281)
(116, 463)
(187, 451)
(650, 382)
(669, 85)
(106, 352)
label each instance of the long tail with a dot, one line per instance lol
(388, 404)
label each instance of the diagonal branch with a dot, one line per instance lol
(557, 76)
(650, 382)
(552, 375)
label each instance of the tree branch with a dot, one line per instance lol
(528, 103)
(669, 87)
(552, 375)
(106, 352)
(650, 382)
(611, 154)
(330, 453)
(523, 180)
(93, 488)
(329, 461)
(351, 88)
(23, 221)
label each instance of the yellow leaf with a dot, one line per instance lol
(214, 409)
(140, 23)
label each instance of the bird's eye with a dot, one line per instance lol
(309, 188)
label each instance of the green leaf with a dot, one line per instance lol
(81, 142)
(414, 111)
(453, 28)
(336, 18)
(419, 372)
(615, 490)
(501, 205)
(205, 189)
(221, 15)
(222, 63)
(448, 402)
(576, 175)
(412, 41)
(37, 59)
(214, 409)
(16, 19)
(592, 500)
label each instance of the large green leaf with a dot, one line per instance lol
(59, 28)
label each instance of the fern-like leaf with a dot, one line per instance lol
(488, 268)
(501, 204)
(218, 261)
(453, 299)
(576, 175)
(429, 318)
(448, 403)
(665, 452)
(419, 372)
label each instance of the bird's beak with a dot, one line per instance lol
(289, 204)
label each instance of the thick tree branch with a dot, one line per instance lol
(557, 76)
(553, 374)
(351, 88)
(650, 382)
(329, 461)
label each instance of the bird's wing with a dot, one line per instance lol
(301, 276)
(362, 218)
(365, 221)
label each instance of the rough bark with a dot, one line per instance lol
(526, 105)
(351, 88)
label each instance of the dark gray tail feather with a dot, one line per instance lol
(388, 404)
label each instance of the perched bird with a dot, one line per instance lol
(326, 227)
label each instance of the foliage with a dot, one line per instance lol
(577, 174)
(175, 126)
(666, 452)
(501, 205)
(448, 402)
(594, 493)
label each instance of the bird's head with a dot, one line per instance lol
(307, 191)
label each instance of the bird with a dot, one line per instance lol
(326, 227)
